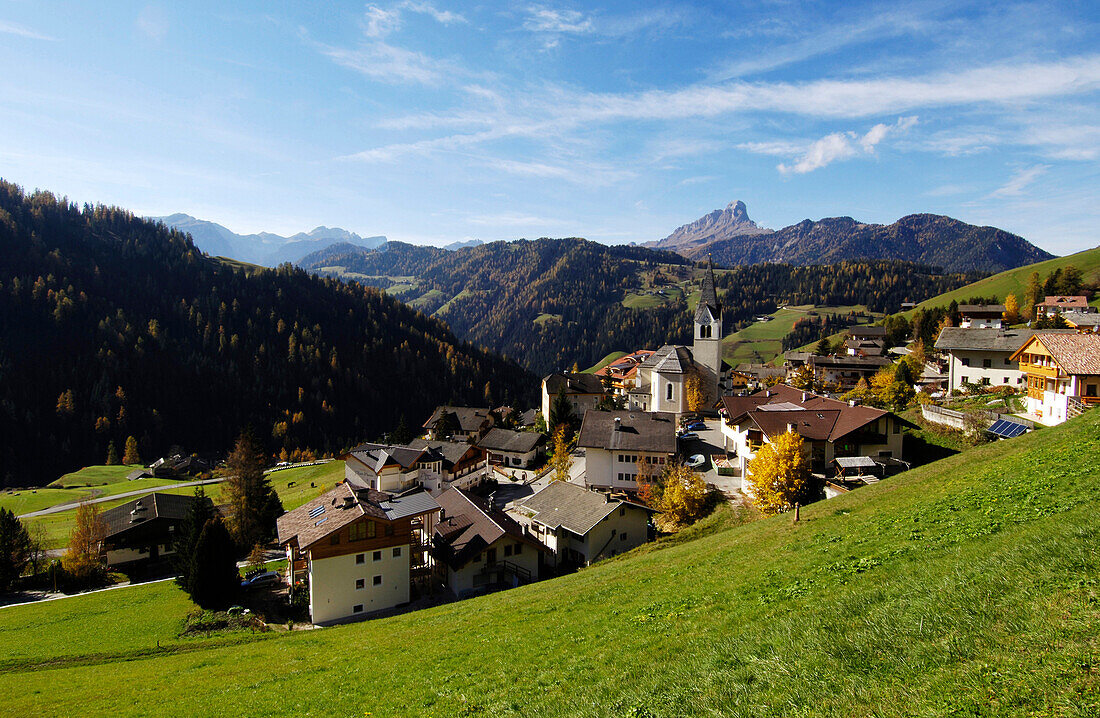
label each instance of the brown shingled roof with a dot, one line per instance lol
(1075, 353)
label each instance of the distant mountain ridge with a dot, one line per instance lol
(929, 239)
(719, 224)
(265, 248)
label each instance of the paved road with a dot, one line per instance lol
(73, 504)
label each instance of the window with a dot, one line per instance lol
(965, 380)
(1006, 380)
(897, 426)
(622, 511)
(357, 608)
(357, 532)
(987, 363)
(518, 549)
(389, 529)
(965, 361)
(397, 552)
(360, 558)
(668, 392)
(334, 539)
(1008, 362)
(507, 550)
(377, 556)
(622, 537)
(371, 530)
(377, 581)
(360, 583)
(612, 533)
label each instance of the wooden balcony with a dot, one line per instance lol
(1050, 372)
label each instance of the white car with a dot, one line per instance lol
(696, 461)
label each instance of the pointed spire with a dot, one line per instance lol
(708, 297)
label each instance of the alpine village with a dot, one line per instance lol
(840, 468)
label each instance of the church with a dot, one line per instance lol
(664, 380)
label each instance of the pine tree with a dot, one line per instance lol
(112, 454)
(214, 581)
(201, 511)
(561, 412)
(253, 501)
(130, 453)
(15, 548)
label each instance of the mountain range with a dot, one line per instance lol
(731, 239)
(265, 248)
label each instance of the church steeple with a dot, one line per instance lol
(709, 310)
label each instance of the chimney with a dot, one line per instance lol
(138, 514)
(492, 501)
(349, 501)
(805, 397)
(853, 402)
(618, 423)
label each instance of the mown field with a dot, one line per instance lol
(763, 341)
(968, 587)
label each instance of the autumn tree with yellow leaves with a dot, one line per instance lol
(561, 460)
(779, 474)
(683, 498)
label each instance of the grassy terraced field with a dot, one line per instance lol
(967, 587)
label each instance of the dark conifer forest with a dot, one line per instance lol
(112, 326)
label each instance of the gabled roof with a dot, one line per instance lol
(335, 509)
(1082, 319)
(816, 417)
(450, 452)
(670, 359)
(851, 361)
(469, 526)
(982, 309)
(148, 507)
(1079, 301)
(519, 442)
(573, 507)
(864, 331)
(1075, 353)
(994, 340)
(377, 456)
(465, 418)
(636, 431)
(574, 383)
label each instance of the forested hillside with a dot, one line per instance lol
(552, 302)
(112, 326)
(926, 238)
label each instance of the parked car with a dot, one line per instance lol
(260, 579)
(688, 436)
(695, 461)
(696, 426)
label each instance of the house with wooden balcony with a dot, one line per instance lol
(1059, 304)
(981, 316)
(477, 547)
(829, 428)
(1063, 374)
(357, 551)
(432, 465)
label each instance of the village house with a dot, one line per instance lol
(844, 371)
(580, 527)
(760, 375)
(1083, 322)
(582, 391)
(621, 374)
(982, 356)
(431, 465)
(457, 422)
(830, 428)
(144, 530)
(517, 449)
(1063, 374)
(614, 443)
(981, 316)
(477, 547)
(358, 550)
(1059, 304)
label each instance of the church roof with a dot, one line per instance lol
(709, 309)
(669, 359)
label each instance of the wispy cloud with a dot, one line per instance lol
(389, 63)
(828, 149)
(549, 20)
(152, 22)
(11, 28)
(445, 17)
(1020, 180)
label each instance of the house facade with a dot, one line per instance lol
(1063, 374)
(580, 527)
(517, 449)
(144, 530)
(457, 423)
(582, 391)
(431, 465)
(358, 550)
(477, 547)
(981, 316)
(982, 356)
(829, 428)
(845, 371)
(614, 443)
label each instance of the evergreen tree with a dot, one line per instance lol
(112, 454)
(561, 412)
(214, 582)
(15, 548)
(823, 349)
(202, 510)
(252, 499)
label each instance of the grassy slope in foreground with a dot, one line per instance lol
(965, 587)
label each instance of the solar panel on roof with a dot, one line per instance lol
(1006, 429)
(316, 511)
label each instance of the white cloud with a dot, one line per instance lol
(10, 28)
(544, 19)
(380, 22)
(828, 149)
(1020, 180)
(388, 63)
(445, 17)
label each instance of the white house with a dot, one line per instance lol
(614, 442)
(477, 547)
(580, 527)
(432, 465)
(981, 316)
(1063, 374)
(518, 449)
(582, 391)
(357, 549)
(982, 356)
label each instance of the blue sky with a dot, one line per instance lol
(433, 122)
